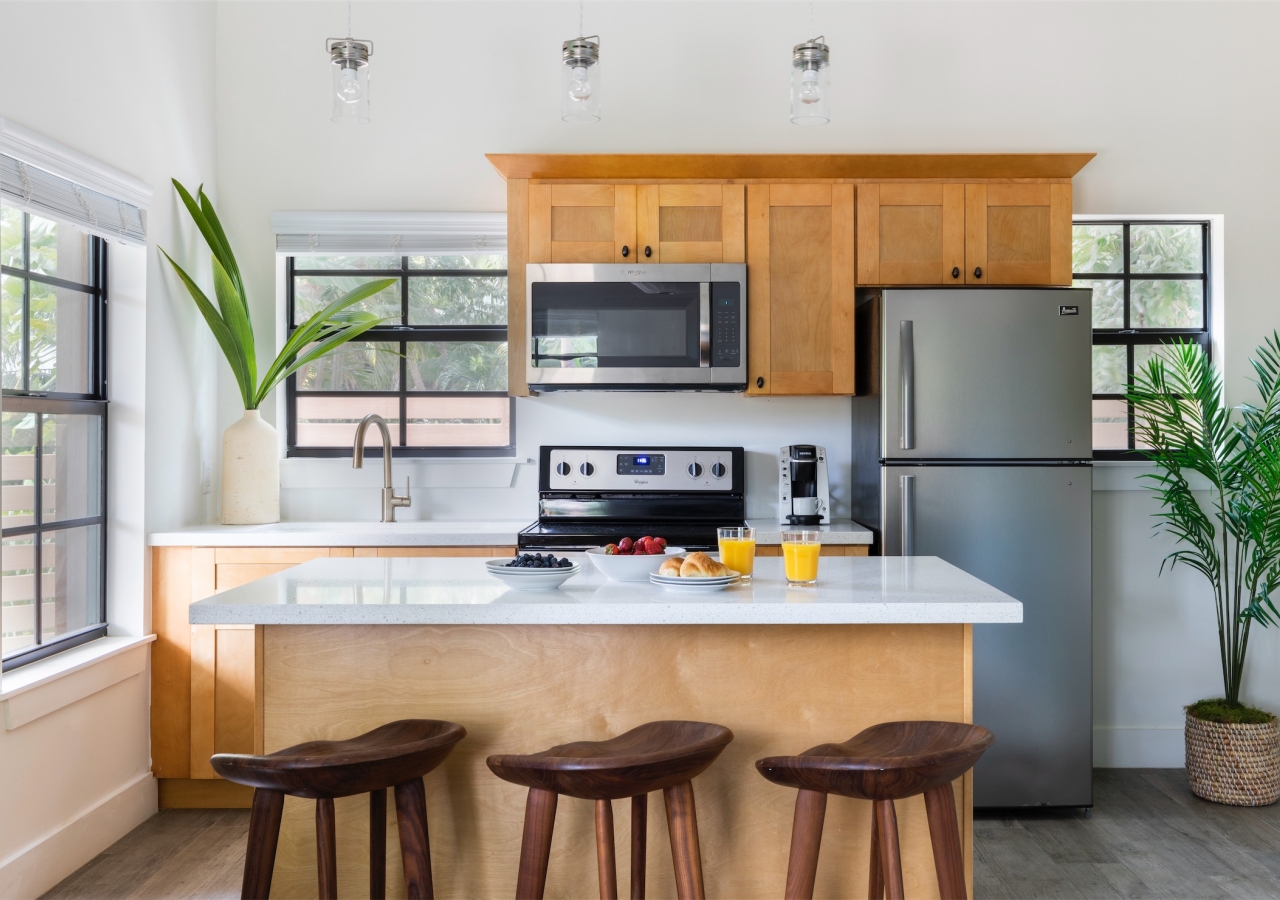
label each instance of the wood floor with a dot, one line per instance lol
(1146, 837)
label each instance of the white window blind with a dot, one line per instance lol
(395, 233)
(42, 177)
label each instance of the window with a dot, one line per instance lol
(54, 420)
(436, 370)
(1150, 288)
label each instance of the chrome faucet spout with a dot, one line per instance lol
(389, 498)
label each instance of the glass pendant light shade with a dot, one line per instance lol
(810, 62)
(580, 80)
(350, 73)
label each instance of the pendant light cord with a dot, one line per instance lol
(349, 18)
(811, 30)
(581, 27)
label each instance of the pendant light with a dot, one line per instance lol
(809, 83)
(350, 72)
(580, 77)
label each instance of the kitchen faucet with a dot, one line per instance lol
(389, 499)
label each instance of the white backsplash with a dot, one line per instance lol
(759, 424)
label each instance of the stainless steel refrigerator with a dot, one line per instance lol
(972, 442)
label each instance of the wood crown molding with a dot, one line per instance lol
(773, 166)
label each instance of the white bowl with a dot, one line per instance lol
(629, 568)
(521, 579)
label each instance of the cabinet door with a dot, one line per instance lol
(582, 223)
(691, 223)
(911, 234)
(800, 293)
(1017, 233)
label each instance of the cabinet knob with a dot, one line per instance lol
(955, 272)
(977, 272)
(760, 382)
(626, 251)
(648, 251)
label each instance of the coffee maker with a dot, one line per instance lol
(804, 497)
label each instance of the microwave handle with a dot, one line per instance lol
(704, 325)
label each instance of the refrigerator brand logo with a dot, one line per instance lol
(1068, 310)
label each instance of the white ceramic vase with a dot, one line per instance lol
(250, 472)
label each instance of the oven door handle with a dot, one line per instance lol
(704, 325)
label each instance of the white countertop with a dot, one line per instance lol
(497, 533)
(458, 591)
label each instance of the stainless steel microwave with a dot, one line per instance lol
(659, 327)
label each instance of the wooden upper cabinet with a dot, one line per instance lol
(800, 295)
(691, 223)
(582, 223)
(1018, 233)
(911, 234)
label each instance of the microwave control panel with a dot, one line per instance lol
(726, 325)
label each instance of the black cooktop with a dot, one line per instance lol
(584, 535)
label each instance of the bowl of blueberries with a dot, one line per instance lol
(533, 571)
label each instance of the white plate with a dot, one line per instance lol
(522, 579)
(659, 578)
(629, 568)
(696, 585)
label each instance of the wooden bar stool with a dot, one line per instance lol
(396, 755)
(882, 764)
(657, 756)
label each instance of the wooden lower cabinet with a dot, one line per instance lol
(204, 680)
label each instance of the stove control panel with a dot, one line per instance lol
(640, 469)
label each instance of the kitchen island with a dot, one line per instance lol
(345, 645)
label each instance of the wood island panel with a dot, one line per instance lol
(523, 688)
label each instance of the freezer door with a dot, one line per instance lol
(1026, 531)
(1000, 373)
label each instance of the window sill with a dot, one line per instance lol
(1126, 475)
(423, 472)
(43, 687)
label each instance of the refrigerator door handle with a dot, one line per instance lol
(907, 383)
(907, 490)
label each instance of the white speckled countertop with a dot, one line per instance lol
(458, 591)
(499, 533)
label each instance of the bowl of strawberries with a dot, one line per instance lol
(632, 559)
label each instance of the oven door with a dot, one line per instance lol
(622, 327)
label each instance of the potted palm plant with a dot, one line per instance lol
(250, 452)
(1232, 538)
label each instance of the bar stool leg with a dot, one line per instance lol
(326, 849)
(806, 839)
(639, 843)
(535, 847)
(875, 888)
(682, 825)
(890, 857)
(264, 834)
(378, 844)
(415, 842)
(944, 832)
(606, 862)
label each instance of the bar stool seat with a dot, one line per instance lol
(663, 756)
(396, 755)
(886, 762)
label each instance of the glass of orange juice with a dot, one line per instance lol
(738, 550)
(800, 556)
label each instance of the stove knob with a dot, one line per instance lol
(587, 469)
(695, 470)
(718, 470)
(563, 468)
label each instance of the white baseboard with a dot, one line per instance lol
(51, 857)
(1138, 748)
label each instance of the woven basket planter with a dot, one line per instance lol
(1234, 764)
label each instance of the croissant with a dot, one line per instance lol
(671, 566)
(699, 565)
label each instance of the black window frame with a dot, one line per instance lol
(42, 403)
(403, 334)
(1130, 337)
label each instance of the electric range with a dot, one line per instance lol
(592, 496)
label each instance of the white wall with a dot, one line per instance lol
(130, 84)
(1177, 99)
